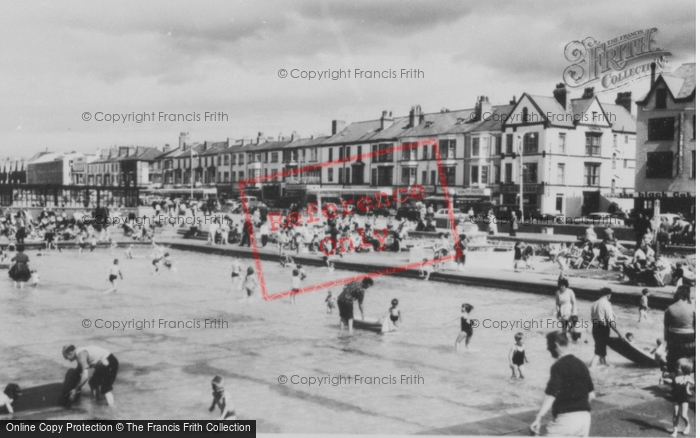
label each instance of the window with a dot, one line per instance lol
(274, 157)
(509, 143)
(614, 161)
(226, 159)
(474, 175)
(374, 177)
(591, 175)
(660, 129)
(219, 161)
(531, 141)
(347, 152)
(497, 174)
(484, 174)
(313, 154)
(226, 176)
(447, 149)
(241, 175)
(359, 153)
(265, 157)
(560, 173)
(303, 155)
(593, 144)
(661, 98)
(659, 165)
(341, 151)
(424, 177)
(374, 154)
(693, 126)
(451, 175)
(408, 176)
(530, 173)
(509, 173)
(627, 139)
(526, 115)
(615, 141)
(562, 142)
(241, 160)
(409, 153)
(347, 175)
(426, 154)
(379, 157)
(497, 144)
(629, 164)
(250, 158)
(432, 177)
(612, 186)
(475, 147)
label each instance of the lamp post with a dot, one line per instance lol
(521, 137)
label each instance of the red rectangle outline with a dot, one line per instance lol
(354, 158)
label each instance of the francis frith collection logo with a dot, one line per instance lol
(613, 63)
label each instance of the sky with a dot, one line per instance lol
(62, 59)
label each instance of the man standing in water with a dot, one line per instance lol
(569, 392)
(603, 319)
(354, 291)
(105, 365)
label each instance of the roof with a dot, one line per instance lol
(620, 118)
(356, 132)
(681, 83)
(437, 123)
(306, 142)
(494, 122)
(552, 110)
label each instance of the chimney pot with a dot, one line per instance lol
(625, 100)
(561, 94)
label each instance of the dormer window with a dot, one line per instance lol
(661, 98)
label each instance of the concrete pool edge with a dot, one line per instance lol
(585, 288)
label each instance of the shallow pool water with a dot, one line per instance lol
(165, 372)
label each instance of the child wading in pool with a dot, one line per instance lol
(114, 273)
(296, 286)
(394, 314)
(467, 330)
(681, 384)
(643, 305)
(330, 302)
(221, 400)
(236, 271)
(516, 356)
(250, 283)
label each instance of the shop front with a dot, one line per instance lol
(671, 202)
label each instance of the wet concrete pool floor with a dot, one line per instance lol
(165, 372)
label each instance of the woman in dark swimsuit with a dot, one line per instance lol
(20, 272)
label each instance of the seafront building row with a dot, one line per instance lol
(574, 155)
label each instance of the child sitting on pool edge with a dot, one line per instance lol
(221, 399)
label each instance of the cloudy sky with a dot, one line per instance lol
(64, 58)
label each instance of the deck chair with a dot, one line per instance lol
(594, 262)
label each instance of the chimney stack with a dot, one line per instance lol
(653, 75)
(184, 138)
(412, 117)
(625, 100)
(337, 126)
(295, 136)
(483, 108)
(385, 121)
(588, 93)
(260, 139)
(561, 94)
